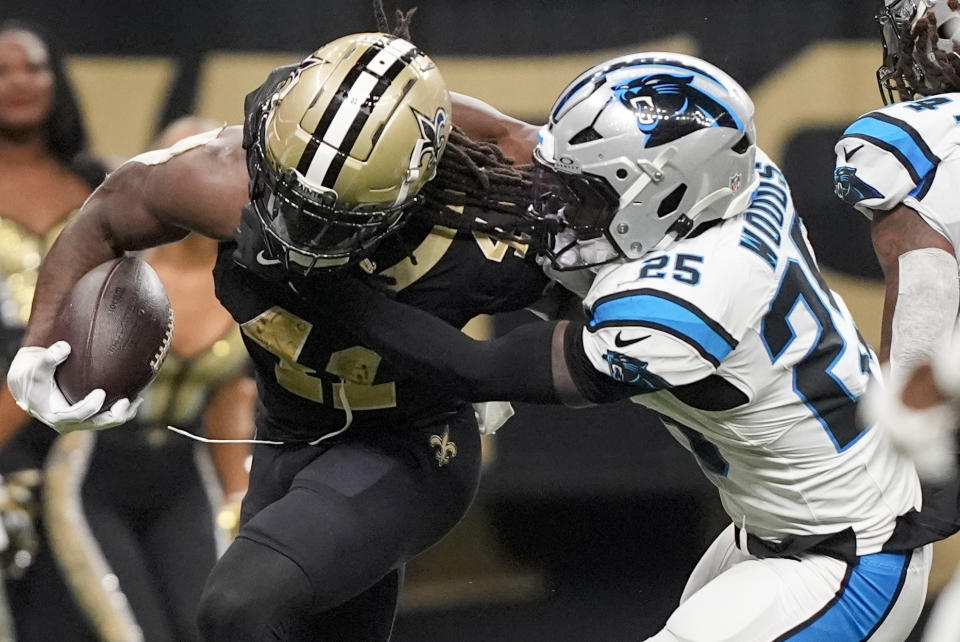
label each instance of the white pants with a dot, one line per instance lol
(732, 596)
(944, 622)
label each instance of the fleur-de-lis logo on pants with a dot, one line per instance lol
(445, 449)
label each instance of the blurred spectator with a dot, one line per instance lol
(44, 176)
(130, 508)
(129, 511)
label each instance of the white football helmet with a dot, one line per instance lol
(639, 151)
(905, 73)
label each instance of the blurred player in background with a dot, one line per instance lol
(130, 512)
(45, 175)
(900, 167)
(707, 306)
(357, 468)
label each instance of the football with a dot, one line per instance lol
(118, 321)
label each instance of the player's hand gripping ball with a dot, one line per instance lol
(119, 323)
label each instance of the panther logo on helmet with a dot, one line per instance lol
(668, 106)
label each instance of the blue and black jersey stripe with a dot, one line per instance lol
(666, 313)
(900, 139)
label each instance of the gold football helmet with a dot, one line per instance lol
(343, 147)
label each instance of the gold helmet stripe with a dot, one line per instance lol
(399, 54)
(349, 110)
(311, 149)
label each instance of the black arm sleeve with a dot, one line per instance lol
(515, 367)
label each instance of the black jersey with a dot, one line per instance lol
(313, 379)
(309, 373)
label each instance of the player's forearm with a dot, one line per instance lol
(112, 221)
(481, 121)
(516, 367)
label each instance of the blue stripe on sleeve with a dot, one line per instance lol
(674, 316)
(898, 138)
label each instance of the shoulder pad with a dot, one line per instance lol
(880, 160)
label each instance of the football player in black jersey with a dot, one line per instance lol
(357, 468)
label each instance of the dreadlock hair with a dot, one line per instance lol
(922, 67)
(471, 175)
(401, 28)
(478, 188)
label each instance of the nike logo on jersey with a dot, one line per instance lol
(620, 342)
(848, 153)
(263, 260)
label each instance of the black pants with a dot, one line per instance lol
(132, 529)
(151, 518)
(327, 529)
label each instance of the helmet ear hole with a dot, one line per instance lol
(742, 145)
(585, 136)
(670, 204)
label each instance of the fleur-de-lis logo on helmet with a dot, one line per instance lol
(430, 144)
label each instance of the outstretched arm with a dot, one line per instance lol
(481, 121)
(147, 201)
(538, 362)
(199, 184)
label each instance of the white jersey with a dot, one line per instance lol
(905, 153)
(743, 306)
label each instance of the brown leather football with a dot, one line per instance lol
(119, 323)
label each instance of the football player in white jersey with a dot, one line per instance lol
(707, 306)
(900, 166)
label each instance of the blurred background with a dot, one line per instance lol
(588, 521)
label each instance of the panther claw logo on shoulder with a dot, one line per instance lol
(445, 450)
(850, 187)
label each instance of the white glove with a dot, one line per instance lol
(31, 382)
(923, 435)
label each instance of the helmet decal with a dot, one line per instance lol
(668, 106)
(432, 139)
(354, 101)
